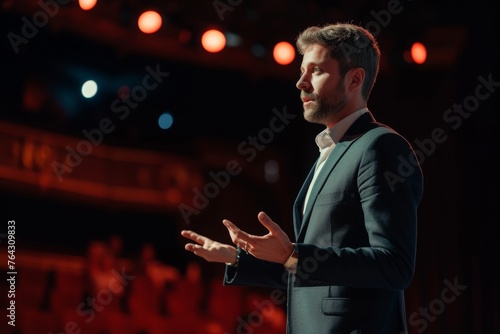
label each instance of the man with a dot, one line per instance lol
(355, 217)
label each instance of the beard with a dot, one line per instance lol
(323, 109)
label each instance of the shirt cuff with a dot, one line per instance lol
(235, 263)
(291, 263)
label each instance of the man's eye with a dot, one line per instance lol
(317, 69)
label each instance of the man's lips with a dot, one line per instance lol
(306, 99)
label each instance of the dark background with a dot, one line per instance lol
(219, 100)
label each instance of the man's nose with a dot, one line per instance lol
(302, 84)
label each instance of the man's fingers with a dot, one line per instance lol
(194, 248)
(230, 226)
(197, 250)
(267, 222)
(194, 236)
(239, 237)
(233, 229)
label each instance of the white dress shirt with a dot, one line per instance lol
(326, 141)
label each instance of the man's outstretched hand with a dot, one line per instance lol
(210, 250)
(275, 246)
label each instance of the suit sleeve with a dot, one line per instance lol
(389, 184)
(255, 272)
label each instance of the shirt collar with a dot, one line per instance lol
(330, 136)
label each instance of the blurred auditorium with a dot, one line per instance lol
(123, 122)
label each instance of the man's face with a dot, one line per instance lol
(322, 88)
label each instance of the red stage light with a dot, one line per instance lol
(418, 53)
(284, 53)
(87, 4)
(149, 22)
(213, 40)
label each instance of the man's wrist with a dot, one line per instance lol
(235, 263)
(291, 263)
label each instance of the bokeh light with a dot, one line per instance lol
(89, 89)
(165, 120)
(149, 22)
(213, 40)
(283, 53)
(258, 50)
(272, 171)
(87, 4)
(418, 53)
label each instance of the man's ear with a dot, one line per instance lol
(355, 78)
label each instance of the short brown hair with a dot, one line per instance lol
(351, 45)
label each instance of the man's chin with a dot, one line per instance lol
(311, 116)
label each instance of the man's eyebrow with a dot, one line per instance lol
(313, 63)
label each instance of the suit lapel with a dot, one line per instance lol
(299, 201)
(360, 126)
(323, 175)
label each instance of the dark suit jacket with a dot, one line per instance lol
(356, 240)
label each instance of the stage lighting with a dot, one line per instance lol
(272, 171)
(87, 4)
(418, 53)
(213, 40)
(149, 22)
(165, 120)
(232, 39)
(258, 50)
(283, 53)
(89, 89)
